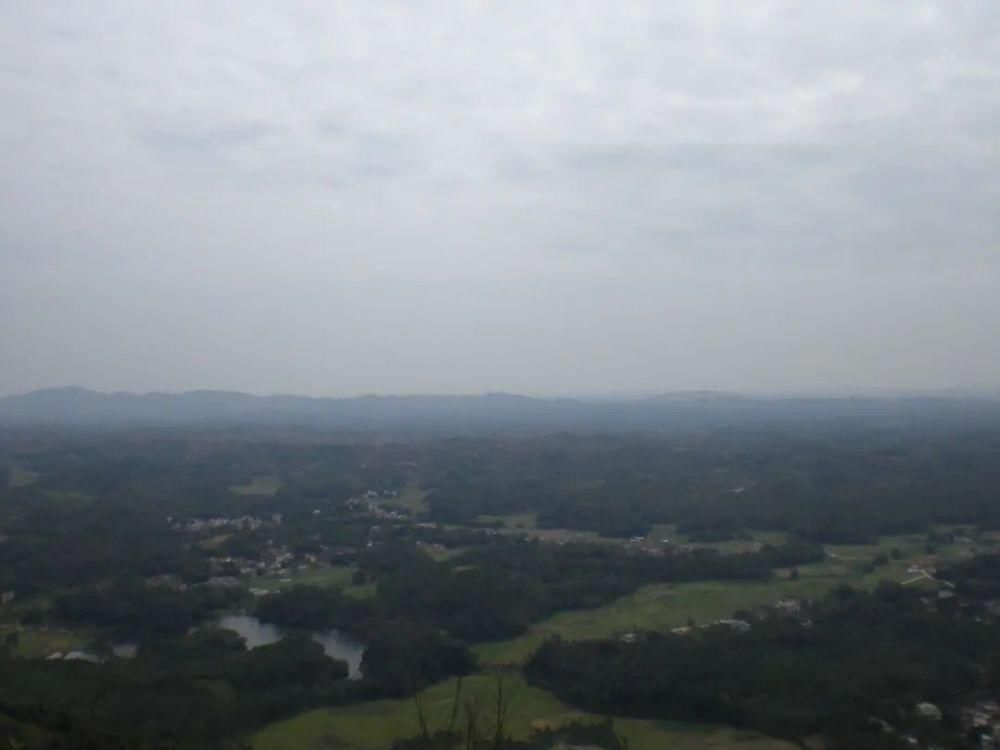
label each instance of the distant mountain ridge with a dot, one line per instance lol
(699, 396)
(74, 406)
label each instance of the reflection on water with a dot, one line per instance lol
(251, 630)
(334, 643)
(341, 646)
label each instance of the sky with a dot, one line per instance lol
(336, 198)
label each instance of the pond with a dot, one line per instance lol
(335, 643)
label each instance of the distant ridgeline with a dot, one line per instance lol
(495, 411)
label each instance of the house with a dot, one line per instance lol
(82, 656)
(788, 607)
(989, 707)
(928, 711)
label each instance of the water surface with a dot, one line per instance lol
(335, 643)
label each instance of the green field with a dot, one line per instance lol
(410, 498)
(524, 525)
(440, 555)
(374, 726)
(336, 575)
(913, 550)
(523, 521)
(665, 606)
(670, 735)
(655, 607)
(19, 475)
(263, 485)
(753, 541)
(38, 643)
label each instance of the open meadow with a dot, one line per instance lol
(374, 725)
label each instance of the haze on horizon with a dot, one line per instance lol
(461, 197)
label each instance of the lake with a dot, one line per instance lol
(336, 644)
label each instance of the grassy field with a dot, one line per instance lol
(374, 725)
(912, 549)
(19, 475)
(436, 553)
(410, 498)
(336, 575)
(524, 525)
(38, 643)
(378, 723)
(656, 607)
(754, 541)
(664, 735)
(560, 535)
(522, 521)
(265, 485)
(665, 606)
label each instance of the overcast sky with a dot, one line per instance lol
(336, 198)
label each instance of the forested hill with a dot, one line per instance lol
(487, 412)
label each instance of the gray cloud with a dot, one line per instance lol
(441, 196)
